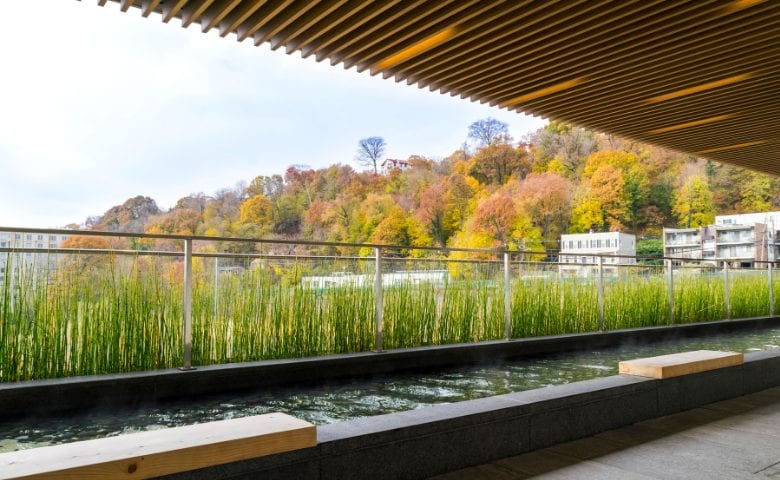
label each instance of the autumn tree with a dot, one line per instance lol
(546, 198)
(626, 206)
(257, 210)
(401, 229)
(131, 216)
(756, 193)
(193, 201)
(370, 151)
(270, 187)
(604, 202)
(375, 208)
(433, 213)
(498, 161)
(488, 131)
(567, 144)
(693, 206)
(84, 260)
(179, 221)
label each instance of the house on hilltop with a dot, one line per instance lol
(394, 164)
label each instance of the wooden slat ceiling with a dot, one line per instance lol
(701, 77)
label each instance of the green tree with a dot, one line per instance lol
(650, 247)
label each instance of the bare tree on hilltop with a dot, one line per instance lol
(488, 130)
(370, 151)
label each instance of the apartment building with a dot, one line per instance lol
(741, 240)
(36, 241)
(579, 252)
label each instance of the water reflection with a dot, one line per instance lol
(369, 397)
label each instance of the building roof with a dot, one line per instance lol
(394, 161)
(698, 77)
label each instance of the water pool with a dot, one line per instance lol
(373, 396)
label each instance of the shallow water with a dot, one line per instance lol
(374, 396)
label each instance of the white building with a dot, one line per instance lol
(580, 251)
(740, 240)
(767, 218)
(35, 241)
(390, 164)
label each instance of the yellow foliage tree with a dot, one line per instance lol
(257, 210)
(618, 160)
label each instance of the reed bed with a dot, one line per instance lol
(119, 314)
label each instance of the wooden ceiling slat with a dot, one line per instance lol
(634, 103)
(633, 90)
(625, 62)
(586, 59)
(336, 51)
(703, 105)
(347, 28)
(532, 46)
(331, 23)
(172, 9)
(592, 64)
(409, 33)
(535, 37)
(216, 13)
(261, 17)
(492, 22)
(231, 20)
(282, 21)
(149, 7)
(633, 64)
(590, 108)
(649, 121)
(305, 22)
(193, 10)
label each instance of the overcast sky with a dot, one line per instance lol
(97, 106)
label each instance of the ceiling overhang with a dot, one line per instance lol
(700, 77)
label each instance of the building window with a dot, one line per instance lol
(53, 238)
(28, 237)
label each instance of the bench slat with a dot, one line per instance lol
(677, 364)
(162, 452)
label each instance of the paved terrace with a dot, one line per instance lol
(732, 439)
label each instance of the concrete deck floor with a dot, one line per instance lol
(733, 439)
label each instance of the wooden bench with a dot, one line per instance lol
(162, 452)
(677, 364)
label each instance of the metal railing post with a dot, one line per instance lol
(726, 298)
(600, 287)
(507, 299)
(216, 287)
(670, 286)
(378, 306)
(187, 338)
(771, 291)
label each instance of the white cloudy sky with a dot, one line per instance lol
(98, 105)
